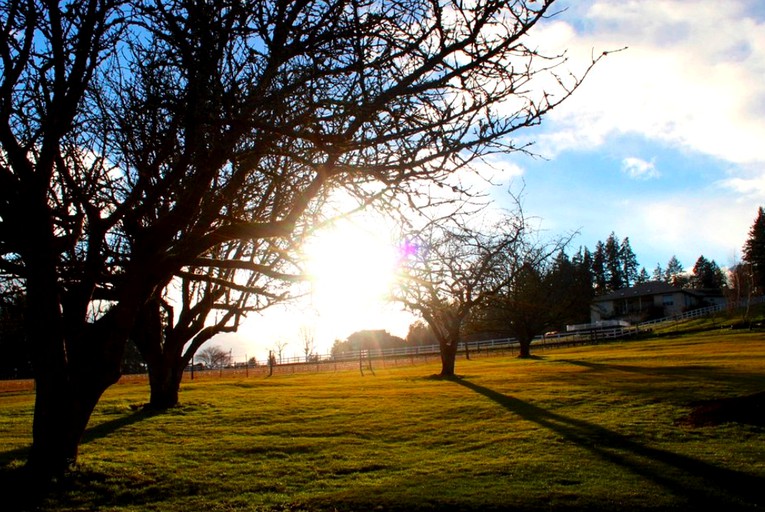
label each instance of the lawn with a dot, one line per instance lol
(597, 427)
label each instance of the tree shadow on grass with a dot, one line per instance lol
(21, 491)
(699, 483)
(109, 427)
(675, 372)
(745, 408)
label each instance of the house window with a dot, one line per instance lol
(667, 300)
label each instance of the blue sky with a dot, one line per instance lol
(663, 143)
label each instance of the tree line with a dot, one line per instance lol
(612, 265)
(503, 281)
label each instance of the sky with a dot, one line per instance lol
(663, 143)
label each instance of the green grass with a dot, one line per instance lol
(724, 319)
(595, 428)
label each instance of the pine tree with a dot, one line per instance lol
(673, 274)
(582, 262)
(643, 276)
(706, 274)
(570, 289)
(754, 249)
(629, 263)
(613, 262)
(599, 269)
(658, 273)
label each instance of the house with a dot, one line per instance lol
(653, 299)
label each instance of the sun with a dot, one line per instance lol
(350, 264)
(352, 268)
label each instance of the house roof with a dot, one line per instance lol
(640, 290)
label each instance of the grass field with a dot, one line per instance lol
(587, 428)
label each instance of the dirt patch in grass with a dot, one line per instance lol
(748, 409)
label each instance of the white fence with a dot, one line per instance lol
(474, 347)
(397, 356)
(559, 339)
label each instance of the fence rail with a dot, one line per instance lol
(382, 358)
(558, 339)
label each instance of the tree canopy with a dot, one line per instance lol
(614, 265)
(451, 270)
(706, 274)
(138, 136)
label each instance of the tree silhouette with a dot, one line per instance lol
(307, 338)
(208, 297)
(451, 269)
(754, 249)
(706, 274)
(542, 292)
(138, 136)
(674, 274)
(214, 356)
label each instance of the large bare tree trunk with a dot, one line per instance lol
(165, 384)
(69, 384)
(525, 347)
(66, 392)
(62, 411)
(448, 357)
(74, 363)
(162, 356)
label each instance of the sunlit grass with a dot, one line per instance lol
(594, 428)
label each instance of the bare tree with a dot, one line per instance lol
(213, 294)
(450, 272)
(279, 347)
(538, 293)
(214, 356)
(307, 337)
(138, 136)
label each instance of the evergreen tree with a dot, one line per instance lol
(658, 273)
(706, 274)
(570, 290)
(754, 249)
(582, 262)
(581, 292)
(629, 263)
(599, 269)
(643, 276)
(674, 273)
(613, 263)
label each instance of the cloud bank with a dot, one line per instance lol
(690, 76)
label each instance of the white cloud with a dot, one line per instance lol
(637, 168)
(688, 228)
(487, 174)
(691, 77)
(754, 186)
(749, 185)
(689, 83)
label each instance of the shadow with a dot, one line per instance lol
(701, 484)
(685, 380)
(109, 427)
(670, 371)
(532, 357)
(21, 490)
(91, 434)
